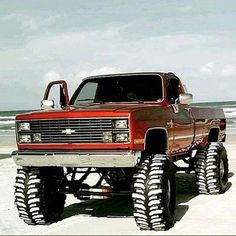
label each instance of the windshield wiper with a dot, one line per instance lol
(135, 99)
(90, 99)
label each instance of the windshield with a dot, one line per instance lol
(139, 88)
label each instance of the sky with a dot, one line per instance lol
(43, 40)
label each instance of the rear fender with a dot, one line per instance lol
(213, 135)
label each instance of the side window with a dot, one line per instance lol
(172, 90)
(87, 93)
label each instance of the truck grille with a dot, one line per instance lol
(72, 130)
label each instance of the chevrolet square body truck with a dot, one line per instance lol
(129, 129)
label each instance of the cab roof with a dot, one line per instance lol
(131, 74)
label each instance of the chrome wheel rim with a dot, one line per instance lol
(222, 169)
(168, 194)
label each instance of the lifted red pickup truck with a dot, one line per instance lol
(128, 128)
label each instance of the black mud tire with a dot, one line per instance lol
(154, 194)
(211, 168)
(36, 196)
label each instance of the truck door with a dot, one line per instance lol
(182, 121)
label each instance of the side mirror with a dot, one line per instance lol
(64, 97)
(185, 98)
(47, 104)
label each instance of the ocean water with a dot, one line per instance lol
(229, 109)
(7, 131)
(7, 122)
(7, 118)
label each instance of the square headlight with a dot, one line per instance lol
(107, 137)
(121, 137)
(24, 138)
(37, 138)
(121, 124)
(24, 126)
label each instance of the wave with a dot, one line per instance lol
(7, 117)
(230, 112)
(7, 122)
(231, 115)
(229, 109)
(7, 129)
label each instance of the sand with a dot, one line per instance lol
(195, 214)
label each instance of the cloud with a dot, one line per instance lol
(71, 42)
(50, 76)
(74, 79)
(113, 46)
(205, 70)
(53, 75)
(26, 22)
(217, 69)
(185, 8)
(99, 71)
(228, 70)
(77, 54)
(208, 69)
(29, 23)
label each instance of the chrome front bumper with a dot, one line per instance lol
(77, 159)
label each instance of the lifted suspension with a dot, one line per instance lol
(82, 190)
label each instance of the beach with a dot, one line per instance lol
(98, 111)
(195, 214)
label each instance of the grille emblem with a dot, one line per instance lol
(68, 131)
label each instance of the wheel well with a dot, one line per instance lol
(156, 141)
(213, 135)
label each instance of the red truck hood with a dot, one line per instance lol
(102, 110)
(115, 107)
